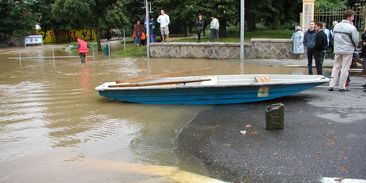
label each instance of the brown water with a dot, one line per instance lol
(54, 127)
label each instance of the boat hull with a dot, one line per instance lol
(207, 95)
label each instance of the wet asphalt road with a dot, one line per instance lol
(324, 138)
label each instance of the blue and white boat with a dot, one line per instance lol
(210, 89)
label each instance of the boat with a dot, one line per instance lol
(210, 89)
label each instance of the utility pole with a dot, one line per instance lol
(242, 9)
(147, 21)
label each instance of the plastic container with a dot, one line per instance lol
(275, 117)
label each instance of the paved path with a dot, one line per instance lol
(324, 138)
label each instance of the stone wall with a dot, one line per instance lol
(257, 49)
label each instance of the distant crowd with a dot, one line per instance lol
(340, 42)
(139, 29)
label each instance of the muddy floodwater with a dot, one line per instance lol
(54, 127)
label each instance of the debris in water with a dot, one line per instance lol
(243, 132)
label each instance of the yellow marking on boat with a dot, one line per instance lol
(263, 91)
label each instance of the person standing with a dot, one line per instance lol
(199, 27)
(363, 37)
(138, 30)
(297, 42)
(83, 50)
(214, 29)
(331, 39)
(309, 42)
(346, 38)
(164, 21)
(152, 25)
(320, 47)
(327, 33)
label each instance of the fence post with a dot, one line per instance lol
(20, 56)
(53, 54)
(93, 54)
(109, 51)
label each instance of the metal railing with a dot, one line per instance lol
(330, 15)
(53, 57)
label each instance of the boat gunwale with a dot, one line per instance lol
(315, 79)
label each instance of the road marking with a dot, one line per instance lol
(341, 180)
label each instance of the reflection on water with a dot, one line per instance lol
(84, 78)
(52, 120)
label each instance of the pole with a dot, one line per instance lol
(147, 29)
(124, 39)
(109, 51)
(242, 8)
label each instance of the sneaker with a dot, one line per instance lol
(330, 89)
(364, 86)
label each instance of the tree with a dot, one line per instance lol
(93, 14)
(17, 19)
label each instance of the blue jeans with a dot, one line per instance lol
(310, 54)
(138, 38)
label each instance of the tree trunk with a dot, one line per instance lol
(185, 30)
(223, 31)
(249, 16)
(250, 21)
(99, 46)
(276, 20)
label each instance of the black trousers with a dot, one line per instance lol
(319, 59)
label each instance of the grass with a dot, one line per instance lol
(131, 51)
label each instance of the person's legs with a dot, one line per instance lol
(166, 31)
(82, 57)
(199, 36)
(336, 69)
(162, 34)
(138, 38)
(211, 35)
(318, 64)
(346, 63)
(309, 54)
(217, 36)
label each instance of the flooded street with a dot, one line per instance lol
(54, 127)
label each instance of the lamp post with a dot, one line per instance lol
(242, 8)
(147, 21)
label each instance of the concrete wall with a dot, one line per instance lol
(257, 48)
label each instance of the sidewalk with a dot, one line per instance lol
(289, 62)
(323, 139)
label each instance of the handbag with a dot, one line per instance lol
(143, 36)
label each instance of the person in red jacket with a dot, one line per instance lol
(83, 50)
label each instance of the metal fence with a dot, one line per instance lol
(328, 16)
(47, 54)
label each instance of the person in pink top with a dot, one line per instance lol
(83, 48)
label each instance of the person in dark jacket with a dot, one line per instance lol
(138, 29)
(309, 42)
(321, 44)
(199, 27)
(363, 37)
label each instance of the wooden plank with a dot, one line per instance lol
(263, 79)
(158, 83)
(159, 76)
